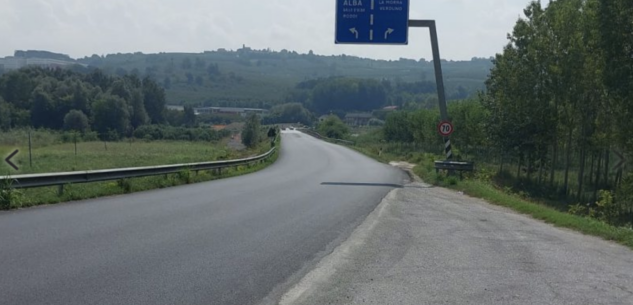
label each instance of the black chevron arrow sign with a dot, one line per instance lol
(8, 159)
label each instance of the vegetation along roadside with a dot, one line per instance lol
(91, 155)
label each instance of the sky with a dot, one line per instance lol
(79, 28)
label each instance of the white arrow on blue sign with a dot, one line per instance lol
(372, 22)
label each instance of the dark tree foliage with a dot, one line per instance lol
(41, 110)
(289, 113)
(139, 115)
(81, 98)
(174, 117)
(252, 134)
(76, 120)
(189, 117)
(154, 97)
(333, 127)
(162, 132)
(398, 127)
(43, 98)
(348, 95)
(558, 98)
(16, 88)
(121, 89)
(111, 115)
(5, 115)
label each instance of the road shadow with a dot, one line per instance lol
(375, 184)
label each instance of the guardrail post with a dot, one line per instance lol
(60, 190)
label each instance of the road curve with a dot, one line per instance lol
(234, 241)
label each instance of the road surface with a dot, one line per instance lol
(241, 240)
(428, 245)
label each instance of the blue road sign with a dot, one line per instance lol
(372, 21)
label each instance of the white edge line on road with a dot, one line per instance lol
(328, 265)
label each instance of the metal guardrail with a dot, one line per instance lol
(60, 179)
(454, 166)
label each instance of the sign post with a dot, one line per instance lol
(386, 22)
(439, 78)
(372, 22)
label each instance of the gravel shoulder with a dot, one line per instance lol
(429, 245)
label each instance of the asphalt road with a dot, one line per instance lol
(241, 240)
(427, 245)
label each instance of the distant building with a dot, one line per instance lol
(358, 119)
(221, 110)
(390, 108)
(175, 107)
(230, 110)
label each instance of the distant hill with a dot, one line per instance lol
(42, 54)
(262, 78)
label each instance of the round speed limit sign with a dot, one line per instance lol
(445, 128)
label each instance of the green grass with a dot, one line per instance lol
(120, 155)
(97, 155)
(547, 214)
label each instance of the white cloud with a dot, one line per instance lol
(80, 28)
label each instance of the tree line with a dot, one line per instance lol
(557, 105)
(340, 95)
(564, 84)
(60, 99)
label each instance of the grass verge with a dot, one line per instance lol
(13, 199)
(480, 187)
(547, 214)
(99, 155)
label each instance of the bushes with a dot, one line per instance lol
(252, 133)
(160, 132)
(9, 197)
(20, 137)
(70, 136)
(333, 127)
(43, 137)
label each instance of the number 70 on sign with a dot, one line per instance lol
(445, 128)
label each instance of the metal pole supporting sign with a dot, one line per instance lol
(387, 23)
(439, 78)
